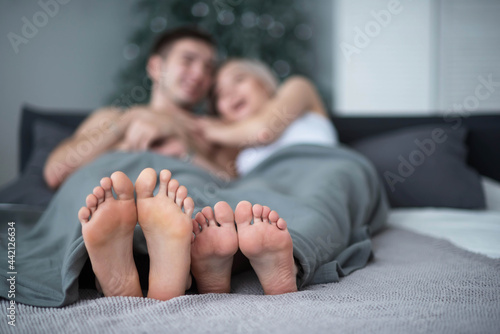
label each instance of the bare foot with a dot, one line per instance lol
(268, 245)
(108, 229)
(213, 248)
(168, 232)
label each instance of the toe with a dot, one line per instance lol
(83, 215)
(273, 217)
(224, 214)
(196, 226)
(145, 183)
(209, 215)
(180, 196)
(201, 220)
(106, 184)
(165, 176)
(257, 213)
(189, 207)
(91, 202)
(122, 185)
(281, 224)
(172, 187)
(265, 214)
(243, 213)
(99, 194)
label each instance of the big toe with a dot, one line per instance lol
(145, 183)
(224, 214)
(122, 185)
(243, 213)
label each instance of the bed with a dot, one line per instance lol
(436, 267)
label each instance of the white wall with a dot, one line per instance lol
(383, 54)
(469, 55)
(71, 62)
(416, 57)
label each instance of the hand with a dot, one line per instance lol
(145, 127)
(171, 147)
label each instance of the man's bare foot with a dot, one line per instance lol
(168, 232)
(268, 245)
(213, 248)
(108, 230)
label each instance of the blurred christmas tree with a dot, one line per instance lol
(275, 31)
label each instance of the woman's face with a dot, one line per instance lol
(239, 94)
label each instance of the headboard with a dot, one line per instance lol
(483, 139)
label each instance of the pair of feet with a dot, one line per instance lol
(108, 225)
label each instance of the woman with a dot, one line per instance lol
(254, 112)
(256, 118)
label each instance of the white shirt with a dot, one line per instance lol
(311, 128)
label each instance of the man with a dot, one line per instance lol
(180, 67)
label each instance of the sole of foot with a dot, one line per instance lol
(168, 231)
(108, 229)
(213, 249)
(268, 245)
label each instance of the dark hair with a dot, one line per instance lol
(166, 40)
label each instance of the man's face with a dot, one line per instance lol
(187, 71)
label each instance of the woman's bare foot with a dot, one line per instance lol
(168, 232)
(108, 229)
(268, 245)
(213, 248)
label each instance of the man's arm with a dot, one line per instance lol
(137, 129)
(98, 133)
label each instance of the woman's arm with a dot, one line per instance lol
(295, 96)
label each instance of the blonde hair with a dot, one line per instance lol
(259, 70)
(256, 68)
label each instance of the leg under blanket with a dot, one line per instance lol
(331, 199)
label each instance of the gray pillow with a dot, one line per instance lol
(47, 135)
(30, 187)
(425, 166)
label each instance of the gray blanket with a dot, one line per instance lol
(331, 199)
(415, 284)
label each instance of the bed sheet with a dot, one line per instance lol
(477, 231)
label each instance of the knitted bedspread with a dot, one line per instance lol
(415, 284)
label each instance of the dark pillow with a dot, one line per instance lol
(47, 135)
(425, 166)
(30, 187)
